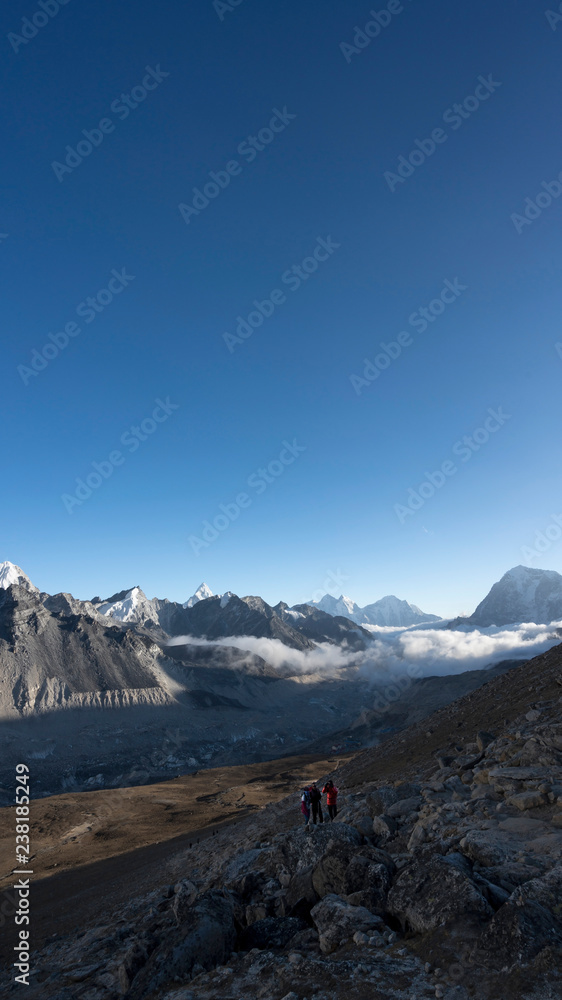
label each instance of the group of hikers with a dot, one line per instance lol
(311, 802)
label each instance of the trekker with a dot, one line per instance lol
(305, 805)
(316, 803)
(331, 793)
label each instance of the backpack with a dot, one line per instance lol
(306, 797)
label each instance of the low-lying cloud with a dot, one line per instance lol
(437, 652)
(325, 660)
(394, 652)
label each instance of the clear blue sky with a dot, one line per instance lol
(333, 508)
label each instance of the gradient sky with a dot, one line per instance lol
(331, 513)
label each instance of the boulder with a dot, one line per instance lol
(384, 826)
(207, 936)
(522, 826)
(379, 800)
(528, 922)
(483, 739)
(184, 897)
(527, 800)
(329, 875)
(337, 921)
(436, 891)
(403, 807)
(418, 836)
(346, 869)
(249, 886)
(364, 825)
(131, 962)
(369, 882)
(487, 847)
(300, 849)
(511, 874)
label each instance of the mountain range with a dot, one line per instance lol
(523, 594)
(123, 689)
(388, 611)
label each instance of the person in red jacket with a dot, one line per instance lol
(331, 793)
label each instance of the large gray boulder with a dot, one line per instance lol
(337, 921)
(302, 849)
(530, 921)
(435, 892)
(346, 870)
(487, 847)
(403, 807)
(206, 937)
(380, 799)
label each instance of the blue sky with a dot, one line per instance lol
(336, 503)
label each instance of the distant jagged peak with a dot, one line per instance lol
(522, 574)
(524, 594)
(201, 594)
(388, 611)
(342, 605)
(127, 606)
(12, 575)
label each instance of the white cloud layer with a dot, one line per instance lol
(417, 652)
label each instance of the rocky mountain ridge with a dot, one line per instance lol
(524, 594)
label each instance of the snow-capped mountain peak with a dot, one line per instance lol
(11, 574)
(524, 594)
(201, 594)
(339, 606)
(388, 611)
(127, 606)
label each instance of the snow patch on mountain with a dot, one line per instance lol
(201, 594)
(342, 606)
(130, 606)
(389, 611)
(524, 594)
(12, 575)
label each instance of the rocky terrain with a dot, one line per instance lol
(441, 877)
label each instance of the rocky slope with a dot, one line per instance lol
(441, 877)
